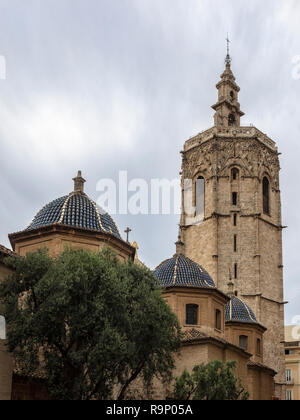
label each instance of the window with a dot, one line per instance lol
(288, 375)
(258, 346)
(235, 243)
(289, 395)
(235, 270)
(234, 174)
(232, 94)
(191, 314)
(289, 352)
(231, 120)
(200, 196)
(243, 342)
(266, 195)
(2, 328)
(234, 198)
(218, 320)
(234, 220)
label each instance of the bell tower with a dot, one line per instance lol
(231, 214)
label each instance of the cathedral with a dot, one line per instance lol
(225, 281)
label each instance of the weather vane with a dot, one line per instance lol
(228, 58)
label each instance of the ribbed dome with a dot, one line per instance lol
(237, 311)
(183, 272)
(76, 210)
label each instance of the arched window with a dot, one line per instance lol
(266, 195)
(200, 196)
(232, 94)
(234, 174)
(243, 342)
(231, 119)
(2, 328)
(192, 314)
(218, 320)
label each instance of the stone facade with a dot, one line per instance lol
(205, 342)
(239, 237)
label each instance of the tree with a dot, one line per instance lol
(89, 323)
(214, 381)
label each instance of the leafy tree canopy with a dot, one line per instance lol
(214, 381)
(89, 323)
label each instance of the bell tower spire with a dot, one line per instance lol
(228, 113)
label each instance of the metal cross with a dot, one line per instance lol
(127, 231)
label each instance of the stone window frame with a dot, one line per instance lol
(246, 339)
(258, 346)
(232, 170)
(199, 175)
(193, 306)
(265, 175)
(218, 319)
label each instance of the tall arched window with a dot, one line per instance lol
(2, 328)
(266, 195)
(192, 314)
(243, 342)
(234, 174)
(200, 196)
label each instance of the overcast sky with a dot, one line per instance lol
(109, 85)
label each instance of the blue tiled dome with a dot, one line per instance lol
(237, 311)
(183, 272)
(76, 210)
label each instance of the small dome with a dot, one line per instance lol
(237, 311)
(76, 210)
(183, 272)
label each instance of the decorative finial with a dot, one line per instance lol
(228, 58)
(179, 244)
(127, 231)
(79, 183)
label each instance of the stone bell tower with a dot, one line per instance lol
(231, 217)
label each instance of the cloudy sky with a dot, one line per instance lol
(109, 85)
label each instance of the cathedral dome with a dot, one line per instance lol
(76, 210)
(237, 311)
(180, 271)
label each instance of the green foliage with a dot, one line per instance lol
(214, 381)
(88, 322)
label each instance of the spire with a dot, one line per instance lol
(228, 112)
(79, 183)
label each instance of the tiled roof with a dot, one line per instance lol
(6, 251)
(260, 366)
(194, 336)
(180, 271)
(77, 210)
(237, 311)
